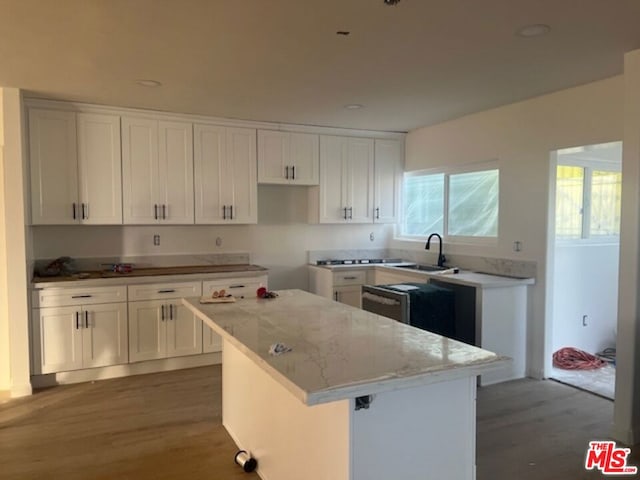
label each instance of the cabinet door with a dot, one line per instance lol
(54, 167)
(211, 341)
(360, 180)
(239, 179)
(104, 335)
(99, 169)
(58, 339)
(184, 331)
(387, 178)
(140, 176)
(209, 171)
(350, 295)
(175, 159)
(273, 157)
(304, 159)
(147, 330)
(333, 168)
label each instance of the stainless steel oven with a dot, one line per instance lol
(388, 303)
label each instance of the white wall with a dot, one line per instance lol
(585, 282)
(521, 136)
(5, 375)
(279, 242)
(626, 416)
(15, 244)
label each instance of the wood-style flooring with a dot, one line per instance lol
(168, 426)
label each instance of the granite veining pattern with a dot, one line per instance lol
(339, 351)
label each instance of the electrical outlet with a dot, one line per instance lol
(517, 246)
(585, 319)
(372, 237)
(218, 242)
(156, 240)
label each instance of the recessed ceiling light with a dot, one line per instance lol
(353, 106)
(148, 83)
(534, 30)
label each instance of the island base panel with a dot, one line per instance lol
(289, 439)
(412, 433)
(419, 433)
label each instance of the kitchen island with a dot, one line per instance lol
(358, 397)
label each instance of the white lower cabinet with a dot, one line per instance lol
(238, 287)
(162, 329)
(342, 285)
(350, 295)
(76, 337)
(159, 326)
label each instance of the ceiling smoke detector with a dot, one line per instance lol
(391, 2)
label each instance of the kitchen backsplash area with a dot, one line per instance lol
(495, 266)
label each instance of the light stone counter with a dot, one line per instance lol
(339, 352)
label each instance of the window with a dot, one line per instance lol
(587, 202)
(462, 204)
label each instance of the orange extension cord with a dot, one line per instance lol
(569, 358)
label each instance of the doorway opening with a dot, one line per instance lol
(586, 250)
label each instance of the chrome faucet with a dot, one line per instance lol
(441, 258)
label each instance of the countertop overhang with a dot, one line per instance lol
(338, 351)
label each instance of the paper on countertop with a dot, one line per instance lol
(278, 349)
(229, 299)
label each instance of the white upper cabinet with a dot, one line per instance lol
(54, 167)
(157, 164)
(225, 175)
(75, 168)
(387, 180)
(100, 169)
(288, 158)
(346, 179)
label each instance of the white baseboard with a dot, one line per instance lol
(115, 371)
(629, 437)
(21, 390)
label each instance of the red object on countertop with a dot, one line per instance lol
(261, 292)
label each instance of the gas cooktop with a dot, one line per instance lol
(358, 261)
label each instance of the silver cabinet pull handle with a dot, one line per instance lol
(155, 211)
(77, 320)
(164, 212)
(170, 311)
(335, 296)
(224, 212)
(293, 172)
(168, 290)
(350, 213)
(73, 205)
(377, 213)
(345, 212)
(161, 312)
(236, 286)
(286, 172)
(86, 319)
(231, 210)
(84, 211)
(81, 296)
(349, 278)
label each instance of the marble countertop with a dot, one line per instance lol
(464, 277)
(338, 351)
(143, 275)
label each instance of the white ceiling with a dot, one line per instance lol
(417, 63)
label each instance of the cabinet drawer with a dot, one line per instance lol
(60, 297)
(156, 291)
(238, 287)
(353, 277)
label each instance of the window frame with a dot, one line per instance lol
(588, 167)
(447, 172)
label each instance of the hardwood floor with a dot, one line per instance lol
(167, 426)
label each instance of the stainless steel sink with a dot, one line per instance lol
(424, 268)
